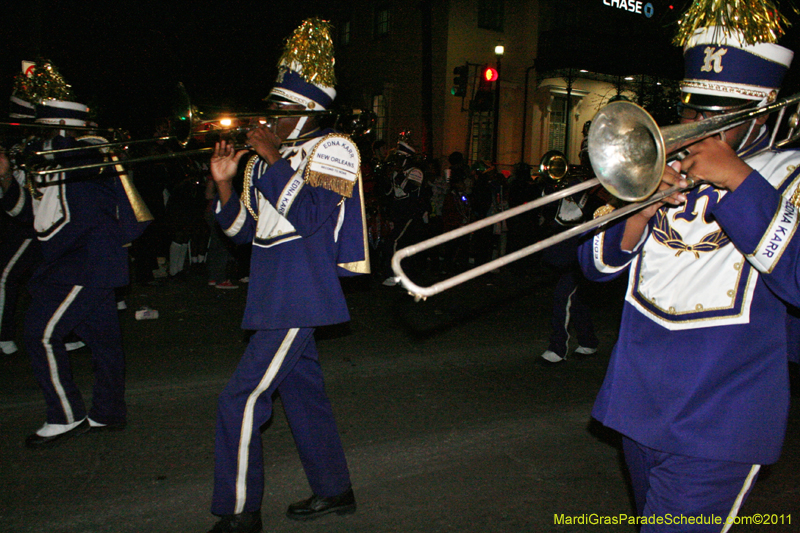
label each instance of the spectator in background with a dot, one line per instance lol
(456, 214)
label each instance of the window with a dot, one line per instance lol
(379, 108)
(558, 123)
(480, 146)
(381, 23)
(491, 14)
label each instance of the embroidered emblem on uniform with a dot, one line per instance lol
(664, 234)
(334, 164)
(713, 59)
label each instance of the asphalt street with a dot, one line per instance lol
(449, 422)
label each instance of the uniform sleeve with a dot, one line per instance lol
(763, 225)
(602, 257)
(234, 219)
(16, 201)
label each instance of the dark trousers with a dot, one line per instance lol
(91, 313)
(286, 362)
(570, 309)
(676, 487)
(18, 257)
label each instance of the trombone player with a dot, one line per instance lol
(82, 222)
(697, 383)
(301, 210)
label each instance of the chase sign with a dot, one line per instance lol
(633, 6)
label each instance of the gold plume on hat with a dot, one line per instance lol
(758, 21)
(44, 82)
(311, 46)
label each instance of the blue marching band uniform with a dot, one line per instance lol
(82, 221)
(305, 236)
(304, 216)
(19, 255)
(698, 380)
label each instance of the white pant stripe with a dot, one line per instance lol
(48, 349)
(7, 271)
(247, 419)
(737, 504)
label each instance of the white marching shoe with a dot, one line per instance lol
(8, 347)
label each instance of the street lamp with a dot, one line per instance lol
(499, 50)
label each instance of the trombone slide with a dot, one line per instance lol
(423, 292)
(629, 154)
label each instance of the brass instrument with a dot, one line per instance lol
(189, 123)
(554, 166)
(629, 154)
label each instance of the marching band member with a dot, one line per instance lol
(698, 383)
(83, 220)
(19, 248)
(302, 210)
(571, 306)
(407, 203)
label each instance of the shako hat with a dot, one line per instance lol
(723, 72)
(53, 111)
(731, 56)
(40, 85)
(305, 69)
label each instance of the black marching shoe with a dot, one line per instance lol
(37, 441)
(239, 523)
(314, 507)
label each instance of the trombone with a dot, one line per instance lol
(187, 123)
(629, 154)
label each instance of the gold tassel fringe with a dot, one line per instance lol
(759, 21)
(340, 186)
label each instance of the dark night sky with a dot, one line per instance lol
(124, 58)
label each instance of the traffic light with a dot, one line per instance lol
(460, 80)
(484, 97)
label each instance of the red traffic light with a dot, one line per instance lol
(489, 74)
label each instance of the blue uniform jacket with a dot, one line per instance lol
(304, 239)
(700, 366)
(82, 224)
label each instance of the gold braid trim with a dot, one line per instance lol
(248, 179)
(795, 199)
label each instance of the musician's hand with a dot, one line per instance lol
(672, 176)
(5, 170)
(225, 162)
(636, 224)
(265, 143)
(714, 161)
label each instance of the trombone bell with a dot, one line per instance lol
(627, 151)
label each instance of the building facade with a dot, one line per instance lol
(561, 61)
